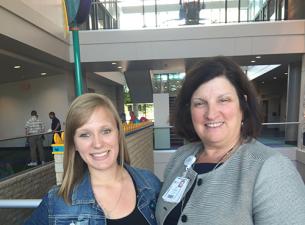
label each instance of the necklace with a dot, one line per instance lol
(108, 212)
(224, 157)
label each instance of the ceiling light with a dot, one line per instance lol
(17, 67)
(119, 67)
(286, 73)
(263, 82)
(274, 78)
(253, 61)
(43, 74)
(258, 57)
(114, 63)
(256, 71)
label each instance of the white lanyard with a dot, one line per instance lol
(176, 190)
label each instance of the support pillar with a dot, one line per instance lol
(293, 102)
(302, 105)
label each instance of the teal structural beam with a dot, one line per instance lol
(77, 63)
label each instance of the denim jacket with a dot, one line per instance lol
(84, 209)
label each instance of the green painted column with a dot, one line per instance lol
(77, 63)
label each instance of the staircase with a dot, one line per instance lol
(175, 140)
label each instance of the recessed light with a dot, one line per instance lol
(114, 63)
(253, 61)
(43, 74)
(119, 67)
(263, 82)
(274, 78)
(286, 73)
(258, 57)
(17, 67)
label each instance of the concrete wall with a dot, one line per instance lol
(32, 184)
(39, 24)
(194, 41)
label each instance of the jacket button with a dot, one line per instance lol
(199, 182)
(183, 218)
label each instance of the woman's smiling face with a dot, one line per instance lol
(97, 140)
(216, 113)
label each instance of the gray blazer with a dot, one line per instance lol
(256, 185)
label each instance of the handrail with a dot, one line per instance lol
(162, 127)
(281, 123)
(276, 123)
(19, 203)
(31, 135)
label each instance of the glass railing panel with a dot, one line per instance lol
(280, 134)
(15, 154)
(139, 14)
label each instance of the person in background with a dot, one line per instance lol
(143, 119)
(224, 175)
(133, 117)
(123, 117)
(55, 125)
(99, 186)
(34, 128)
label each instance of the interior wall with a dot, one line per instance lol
(18, 99)
(105, 89)
(46, 14)
(276, 97)
(39, 24)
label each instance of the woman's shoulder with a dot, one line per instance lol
(256, 154)
(188, 149)
(53, 191)
(259, 152)
(144, 177)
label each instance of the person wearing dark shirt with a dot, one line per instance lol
(55, 125)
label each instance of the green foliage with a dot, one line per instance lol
(127, 98)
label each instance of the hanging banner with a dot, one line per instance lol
(77, 11)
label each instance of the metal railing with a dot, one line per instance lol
(19, 203)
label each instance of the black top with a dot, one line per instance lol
(133, 218)
(55, 121)
(174, 215)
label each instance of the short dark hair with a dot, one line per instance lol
(52, 113)
(34, 113)
(205, 71)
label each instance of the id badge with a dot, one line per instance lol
(176, 190)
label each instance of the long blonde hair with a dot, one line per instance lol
(79, 112)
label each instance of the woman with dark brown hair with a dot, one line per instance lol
(224, 175)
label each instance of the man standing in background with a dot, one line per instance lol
(55, 125)
(34, 128)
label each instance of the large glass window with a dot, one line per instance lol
(139, 14)
(167, 83)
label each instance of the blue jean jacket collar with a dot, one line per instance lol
(83, 192)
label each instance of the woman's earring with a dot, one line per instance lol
(242, 123)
